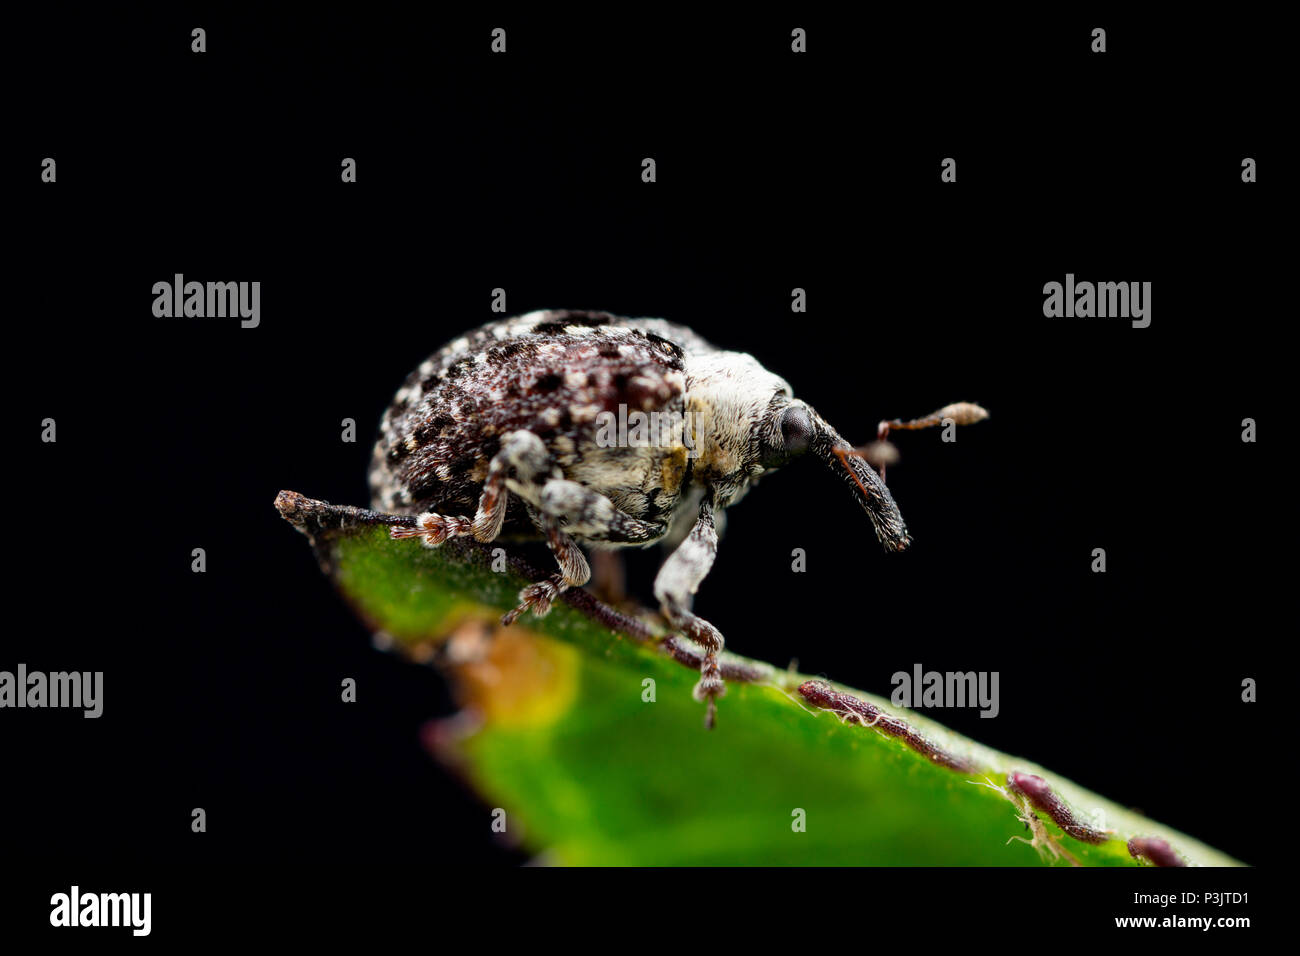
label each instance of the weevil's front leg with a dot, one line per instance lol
(517, 454)
(574, 572)
(676, 583)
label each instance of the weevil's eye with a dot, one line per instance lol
(796, 430)
(793, 432)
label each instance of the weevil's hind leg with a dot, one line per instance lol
(574, 572)
(676, 583)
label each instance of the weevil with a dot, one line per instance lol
(586, 428)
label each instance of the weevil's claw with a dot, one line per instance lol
(709, 688)
(537, 597)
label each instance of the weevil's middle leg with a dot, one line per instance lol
(676, 583)
(574, 572)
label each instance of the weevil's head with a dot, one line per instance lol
(743, 421)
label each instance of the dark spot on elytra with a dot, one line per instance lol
(463, 464)
(501, 354)
(547, 383)
(428, 430)
(511, 349)
(422, 481)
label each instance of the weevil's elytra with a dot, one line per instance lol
(500, 433)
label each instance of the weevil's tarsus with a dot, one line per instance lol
(536, 597)
(433, 529)
(397, 533)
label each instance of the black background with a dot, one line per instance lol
(523, 171)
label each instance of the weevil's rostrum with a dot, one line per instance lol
(505, 431)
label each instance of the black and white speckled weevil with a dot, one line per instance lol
(511, 423)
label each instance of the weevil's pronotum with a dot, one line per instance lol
(588, 428)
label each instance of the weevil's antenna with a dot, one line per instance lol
(866, 485)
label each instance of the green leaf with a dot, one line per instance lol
(589, 772)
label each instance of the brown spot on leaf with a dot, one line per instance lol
(511, 675)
